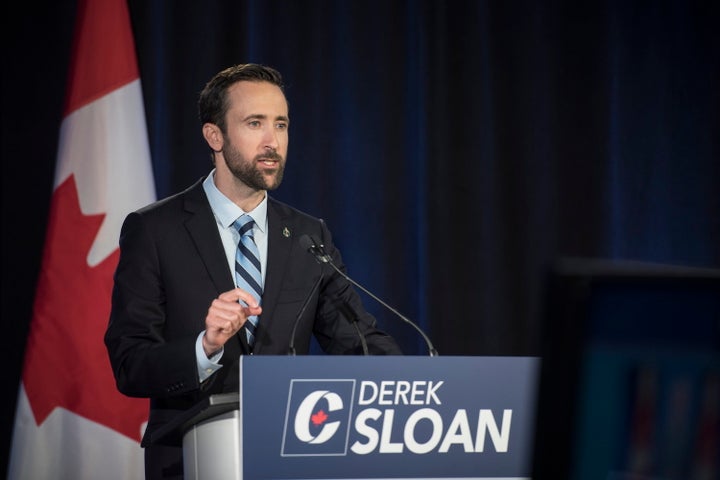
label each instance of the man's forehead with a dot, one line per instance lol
(257, 92)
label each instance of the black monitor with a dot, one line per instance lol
(630, 376)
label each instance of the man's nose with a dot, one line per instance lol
(270, 140)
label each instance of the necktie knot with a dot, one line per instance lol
(244, 225)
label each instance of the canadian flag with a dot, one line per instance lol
(71, 422)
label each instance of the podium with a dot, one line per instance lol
(330, 417)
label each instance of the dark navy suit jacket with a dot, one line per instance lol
(172, 265)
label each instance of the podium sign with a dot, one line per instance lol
(325, 417)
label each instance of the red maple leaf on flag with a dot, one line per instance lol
(66, 363)
(318, 418)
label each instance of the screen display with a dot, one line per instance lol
(649, 386)
(630, 382)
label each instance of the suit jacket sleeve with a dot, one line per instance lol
(146, 361)
(171, 267)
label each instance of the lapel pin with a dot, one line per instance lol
(286, 232)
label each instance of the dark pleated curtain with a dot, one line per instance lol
(456, 149)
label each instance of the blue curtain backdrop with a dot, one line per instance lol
(456, 149)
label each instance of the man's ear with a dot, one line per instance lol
(213, 136)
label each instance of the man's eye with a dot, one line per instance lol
(281, 126)
(254, 123)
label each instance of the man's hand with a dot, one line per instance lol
(226, 316)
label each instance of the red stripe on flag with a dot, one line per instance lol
(103, 56)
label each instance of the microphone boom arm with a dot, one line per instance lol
(431, 348)
(316, 249)
(291, 350)
(319, 252)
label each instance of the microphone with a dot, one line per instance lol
(309, 244)
(291, 349)
(345, 308)
(318, 251)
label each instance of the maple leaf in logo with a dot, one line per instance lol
(66, 364)
(318, 418)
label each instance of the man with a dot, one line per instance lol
(186, 302)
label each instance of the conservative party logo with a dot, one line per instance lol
(317, 420)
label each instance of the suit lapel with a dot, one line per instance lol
(280, 240)
(203, 230)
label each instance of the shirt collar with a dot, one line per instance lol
(226, 211)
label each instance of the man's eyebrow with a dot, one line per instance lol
(255, 116)
(259, 116)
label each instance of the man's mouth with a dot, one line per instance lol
(270, 162)
(270, 159)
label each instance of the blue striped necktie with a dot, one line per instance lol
(247, 269)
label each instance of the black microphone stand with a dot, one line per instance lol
(291, 349)
(316, 248)
(353, 317)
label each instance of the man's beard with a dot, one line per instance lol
(248, 172)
